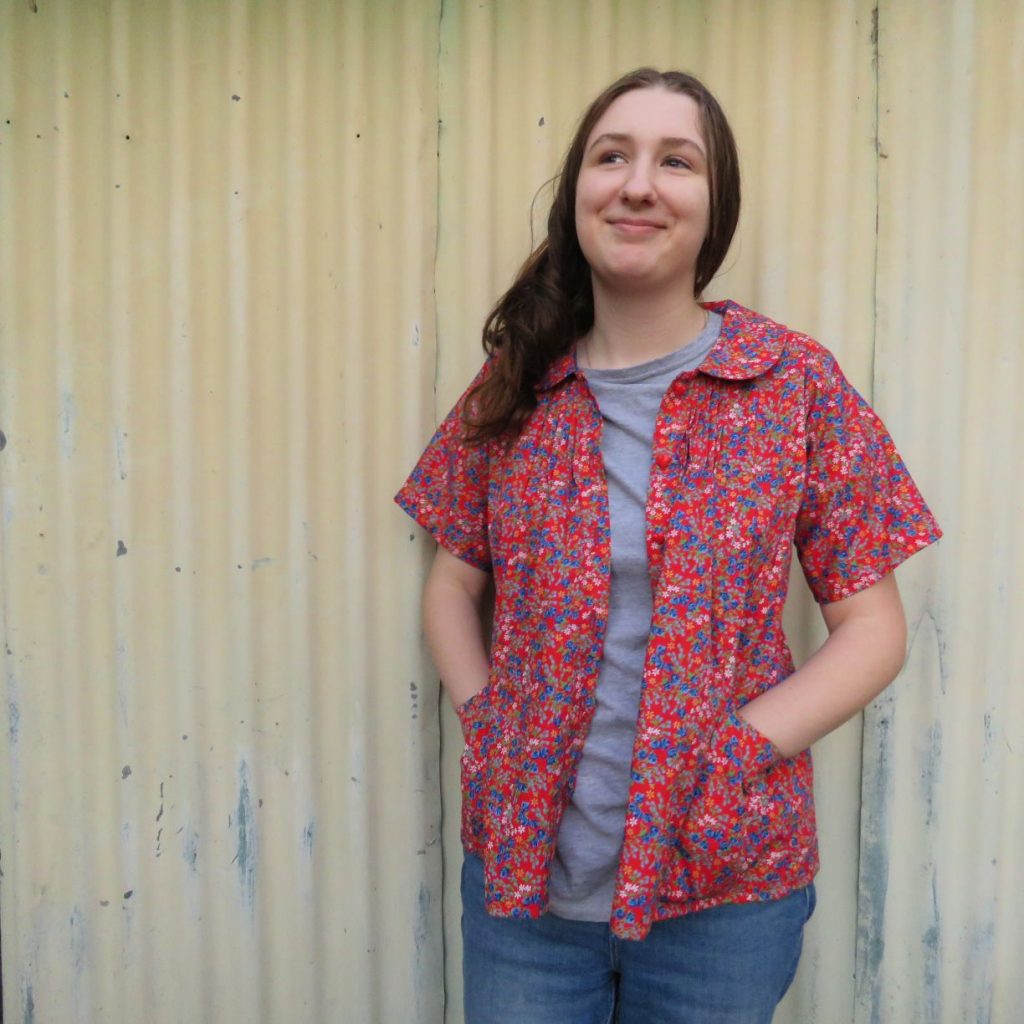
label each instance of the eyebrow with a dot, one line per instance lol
(672, 142)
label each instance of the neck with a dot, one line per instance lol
(633, 329)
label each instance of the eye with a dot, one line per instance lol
(611, 156)
(678, 162)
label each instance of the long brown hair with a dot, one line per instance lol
(551, 302)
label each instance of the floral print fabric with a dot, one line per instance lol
(764, 448)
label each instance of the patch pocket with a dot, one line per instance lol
(476, 717)
(727, 824)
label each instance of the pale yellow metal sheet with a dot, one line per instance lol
(220, 797)
(221, 230)
(942, 895)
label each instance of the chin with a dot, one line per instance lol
(632, 275)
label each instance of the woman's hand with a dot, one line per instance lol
(864, 652)
(452, 605)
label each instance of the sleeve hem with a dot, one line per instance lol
(422, 518)
(898, 555)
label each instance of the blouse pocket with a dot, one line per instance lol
(469, 712)
(725, 827)
(475, 716)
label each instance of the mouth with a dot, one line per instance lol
(635, 225)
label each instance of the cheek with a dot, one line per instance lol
(584, 226)
(705, 208)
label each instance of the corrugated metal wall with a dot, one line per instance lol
(942, 892)
(245, 252)
(220, 796)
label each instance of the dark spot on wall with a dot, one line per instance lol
(126, 771)
(3, 436)
(177, 568)
(121, 549)
(127, 137)
(128, 894)
(540, 123)
(235, 97)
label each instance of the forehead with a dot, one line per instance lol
(651, 113)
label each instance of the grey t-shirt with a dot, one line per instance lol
(586, 861)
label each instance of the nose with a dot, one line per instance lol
(639, 184)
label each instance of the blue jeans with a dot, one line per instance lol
(728, 965)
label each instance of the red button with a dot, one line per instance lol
(663, 459)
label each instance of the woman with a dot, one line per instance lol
(632, 468)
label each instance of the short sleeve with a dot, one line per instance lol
(446, 493)
(861, 513)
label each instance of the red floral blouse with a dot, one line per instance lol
(764, 447)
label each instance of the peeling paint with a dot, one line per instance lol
(120, 437)
(67, 424)
(245, 857)
(980, 966)
(308, 835)
(873, 883)
(77, 942)
(931, 765)
(421, 928)
(29, 1014)
(191, 850)
(931, 942)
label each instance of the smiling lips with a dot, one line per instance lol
(635, 225)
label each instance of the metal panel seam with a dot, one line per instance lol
(442, 802)
(867, 735)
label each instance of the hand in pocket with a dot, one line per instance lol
(725, 827)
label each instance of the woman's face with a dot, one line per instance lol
(642, 198)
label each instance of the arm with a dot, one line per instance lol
(864, 652)
(452, 603)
